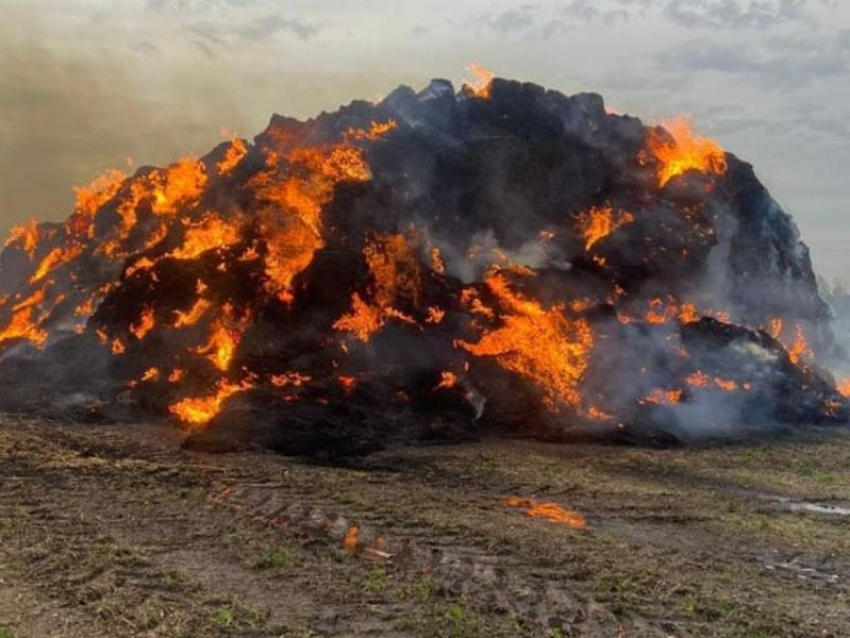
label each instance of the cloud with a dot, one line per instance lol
(732, 14)
(590, 12)
(781, 63)
(529, 20)
(194, 6)
(270, 26)
(212, 37)
(147, 49)
(512, 21)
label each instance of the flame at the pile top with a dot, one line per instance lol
(26, 235)
(686, 151)
(844, 387)
(482, 82)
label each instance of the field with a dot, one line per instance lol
(110, 531)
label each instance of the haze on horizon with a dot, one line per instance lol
(85, 85)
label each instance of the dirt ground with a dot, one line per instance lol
(110, 531)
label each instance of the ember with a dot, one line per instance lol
(548, 511)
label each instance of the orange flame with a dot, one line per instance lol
(376, 131)
(363, 321)
(234, 154)
(549, 511)
(844, 387)
(482, 82)
(395, 275)
(351, 540)
(598, 223)
(23, 324)
(598, 415)
(685, 152)
(180, 184)
(449, 380)
(198, 411)
(776, 327)
(210, 232)
(800, 348)
(27, 235)
(55, 258)
(190, 318)
(144, 324)
(300, 183)
(664, 397)
(90, 198)
(435, 315)
(347, 382)
(542, 345)
(118, 347)
(295, 379)
(221, 346)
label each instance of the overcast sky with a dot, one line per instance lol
(85, 84)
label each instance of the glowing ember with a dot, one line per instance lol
(351, 540)
(376, 131)
(598, 223)
(663, 397)
(548, 511)
(295, 379)
(435, 315)
(144, 324)
(776, 327)
(438, 265)
(598, 415)
(448, 380)
(685, 152)
(348, 383)
(698, 379)
(726, 384)
(190, 318)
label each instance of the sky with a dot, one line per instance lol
(87, 85)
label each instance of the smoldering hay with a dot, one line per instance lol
(501, 259)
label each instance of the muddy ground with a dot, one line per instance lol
(110, 531)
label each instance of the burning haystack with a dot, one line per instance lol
(502, 259)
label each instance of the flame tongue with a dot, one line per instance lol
(541, 344)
